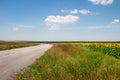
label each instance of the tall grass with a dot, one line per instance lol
(69, 62)
(11, 45)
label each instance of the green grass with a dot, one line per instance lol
(12, 45)
(70, 62)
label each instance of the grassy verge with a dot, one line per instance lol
(11, 45)
(69, 62)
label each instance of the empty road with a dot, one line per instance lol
(12, 61)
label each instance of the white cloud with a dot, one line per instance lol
(54, 27)
(63, 11)
(75, 11)
(62, 19)
(20, 25)
(84, 11)
(54, 21)
(113, 24)
(15, 29)
(102, 2)
(115, 21)
(95, 1)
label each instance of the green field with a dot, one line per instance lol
(72, 62)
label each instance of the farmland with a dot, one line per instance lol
(111, 49)
(11, 45)
(76, 61)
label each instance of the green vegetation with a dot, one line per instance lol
(11, 45)
(70, 62)
(112, 51)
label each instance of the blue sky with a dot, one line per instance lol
(60, 20)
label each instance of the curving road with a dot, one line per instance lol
(11, 61)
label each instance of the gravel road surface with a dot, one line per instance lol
(12, 61)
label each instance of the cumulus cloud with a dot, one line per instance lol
(54, 21)
(62, 19)
(102, 2)
(115, 21)
(82, 11)
(85, 11)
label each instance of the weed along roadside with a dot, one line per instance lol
(70, 62)
(12, 45)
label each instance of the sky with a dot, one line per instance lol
(60, 20)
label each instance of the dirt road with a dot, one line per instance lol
(11, 61)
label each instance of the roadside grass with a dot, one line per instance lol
(11, 45)
(69, 62)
